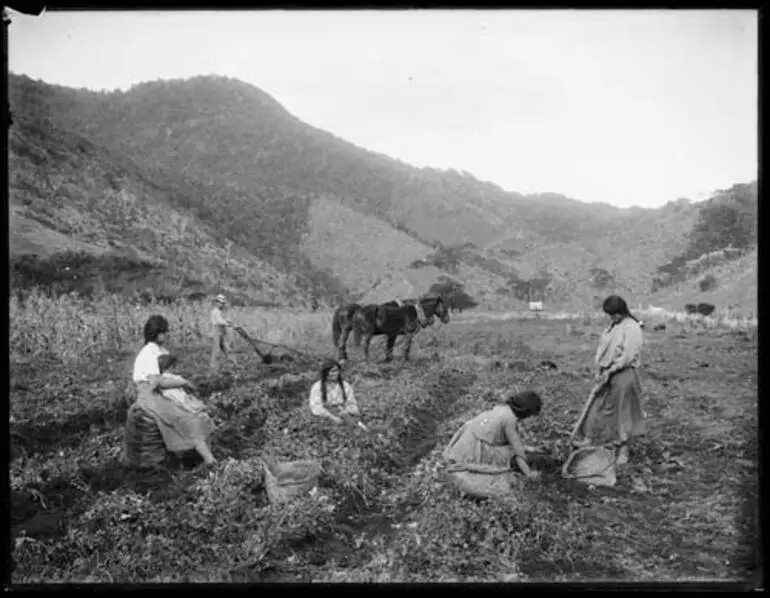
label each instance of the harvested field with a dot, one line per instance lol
(684, 508)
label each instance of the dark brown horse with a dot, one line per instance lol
(394, 321)
(343, 318)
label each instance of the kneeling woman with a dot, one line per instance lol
(331, 396)
(492, 437)
(181, 428)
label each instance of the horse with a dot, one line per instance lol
(342, 325)
(394, 321)
(399, 302)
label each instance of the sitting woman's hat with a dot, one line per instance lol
(221, 299)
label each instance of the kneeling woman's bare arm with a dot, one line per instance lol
(517, 448)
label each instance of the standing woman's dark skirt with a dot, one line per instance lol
(616, 414)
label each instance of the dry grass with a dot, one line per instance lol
(720, 319)
(69, 328)
(382, 513)
(337, 233)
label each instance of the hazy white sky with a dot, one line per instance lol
(627, 107)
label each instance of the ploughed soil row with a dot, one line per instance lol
(361, 517)
(43, 510)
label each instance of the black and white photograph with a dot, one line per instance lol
(376, 296)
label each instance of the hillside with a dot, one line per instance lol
(64, 185)
(335, 238)
(303, 212)
(730, 285)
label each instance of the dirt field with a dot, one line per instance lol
(684, 508)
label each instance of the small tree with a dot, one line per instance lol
(708, 283)
(453, 293)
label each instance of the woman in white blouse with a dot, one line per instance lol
(616, 414)
(180, 428)
(331, 396)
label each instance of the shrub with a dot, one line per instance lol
(707, 283)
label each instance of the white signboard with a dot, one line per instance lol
(535, 306)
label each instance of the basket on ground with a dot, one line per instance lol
(285, 481)
(591, 465)
(143, 442)
(481, 481)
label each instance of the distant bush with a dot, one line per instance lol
(534, 289)
(447, 259)
(73, 271)
(601, 279)
(708, 283)
(453, 293)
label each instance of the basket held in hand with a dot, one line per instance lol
(591, 465)
(285, 481)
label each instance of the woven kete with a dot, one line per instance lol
(285, 481)
(144, 446)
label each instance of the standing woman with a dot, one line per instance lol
(180, 429)
(616, 413)
(219, 326)
(332, 396)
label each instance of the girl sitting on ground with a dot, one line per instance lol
(180, 429)
(181, 397)
(492, 437)
(332, 396)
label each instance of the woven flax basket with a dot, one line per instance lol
(285, 481)
(591, 465)
(480, 481)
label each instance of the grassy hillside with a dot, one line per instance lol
(335, 238)
(291, 201)
(70, 185)
(30, 237)
(730, 284)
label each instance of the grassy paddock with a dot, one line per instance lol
(720, 319)
(382, 512)
(70, 328)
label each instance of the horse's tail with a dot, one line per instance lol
(356, 333)
(380, 316)
(354, 320)
(336, 328)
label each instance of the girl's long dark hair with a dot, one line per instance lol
(328, 365)
(616, 305)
